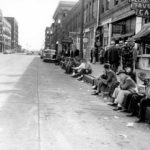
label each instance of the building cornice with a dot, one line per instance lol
(119, 7)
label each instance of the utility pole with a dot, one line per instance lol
(98, 15)
(82, 28)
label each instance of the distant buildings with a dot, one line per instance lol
(57, 29)
(5, 33)
(8, 33)
(14, 33)
(47, 38)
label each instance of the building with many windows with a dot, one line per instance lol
(14, 32)
(72, 24)
(47, 38)
(1, 31)
(5, 34)
(58, 28)
(104, 20)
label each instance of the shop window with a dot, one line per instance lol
(124, 27)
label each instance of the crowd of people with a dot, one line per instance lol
(123, 54)
(120, 86)
(75, 66)
(125, 94)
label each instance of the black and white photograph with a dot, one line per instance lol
(74, 74)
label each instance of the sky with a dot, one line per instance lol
(32, 16)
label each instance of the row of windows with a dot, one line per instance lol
(90, 13)
(107, 4)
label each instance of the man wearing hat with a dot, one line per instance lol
(114, 56)
(128, 54)
(127, 86)
(106, 82)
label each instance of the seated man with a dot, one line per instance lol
(106, 82)
(84, 68)
(127, 86)
(69, 66)
(144, 103)
(131, 101)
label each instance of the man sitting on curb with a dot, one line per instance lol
(144, 103)
(127, 86)
(84, 68)
(106, 82)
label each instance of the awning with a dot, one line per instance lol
(143, 34)
(121, 36)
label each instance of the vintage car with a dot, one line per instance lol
(8, 51)
(49, 55)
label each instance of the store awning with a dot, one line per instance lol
(143, 34)
(122, 36)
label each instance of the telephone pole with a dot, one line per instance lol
(82, 28)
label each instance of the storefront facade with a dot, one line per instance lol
(89, 41)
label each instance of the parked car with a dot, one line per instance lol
(29, 53)
(49, 55)
(7, 52)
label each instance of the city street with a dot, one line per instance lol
(41, 108)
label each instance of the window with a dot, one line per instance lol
(95, 11)
(116, 2)
(102, 7)
(125, 26)
(107, 4)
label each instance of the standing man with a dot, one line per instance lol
(114, 57)
(121, 44)
(128, 54)
(91, 55)
(94, 55)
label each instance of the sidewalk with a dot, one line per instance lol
(97, 70)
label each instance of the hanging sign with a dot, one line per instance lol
(142, 7)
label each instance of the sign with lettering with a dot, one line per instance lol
(67, 40)
(142, 7)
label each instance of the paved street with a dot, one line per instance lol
(41, 108)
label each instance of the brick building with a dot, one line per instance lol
(57, 27)
(104, 20)
(73, 25)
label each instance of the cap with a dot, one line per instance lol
(130, 40)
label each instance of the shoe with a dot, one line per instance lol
(94, 87)
(112, 104)
(140, 121)
(95, 93)
(131, 115)
(124, 110)
(79, 78)
(116, 109)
